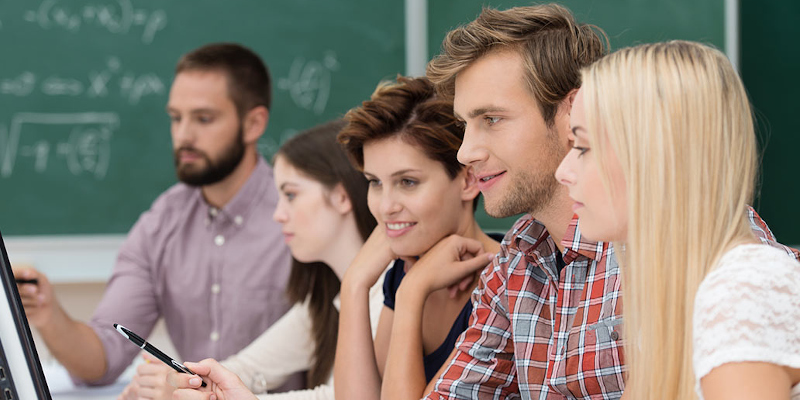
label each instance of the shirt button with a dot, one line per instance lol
(213, 211)
(614, 335)
(238, 220)
(219, 240)
(214, 336)
(215, 288)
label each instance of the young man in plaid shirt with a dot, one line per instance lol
(547, 312)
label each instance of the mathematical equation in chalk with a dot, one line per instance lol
(109, 80)
(77, 142)
(118, 17)
(309, 82)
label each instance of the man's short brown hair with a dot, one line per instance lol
(553, 47)
(249, 83)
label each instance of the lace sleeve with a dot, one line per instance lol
(748, 309)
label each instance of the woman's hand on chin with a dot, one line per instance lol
(370, 262)
(451, 263)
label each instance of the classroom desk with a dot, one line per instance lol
(94, 393)
(62, 388)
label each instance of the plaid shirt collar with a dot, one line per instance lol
(534, 234)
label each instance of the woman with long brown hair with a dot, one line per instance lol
(325, 218)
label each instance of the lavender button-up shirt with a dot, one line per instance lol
(217, 276)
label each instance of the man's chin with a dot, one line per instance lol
(192, 176)
(499, 209)
(491, 207)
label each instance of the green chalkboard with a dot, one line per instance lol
(626, 22)
(769, 66)
(84, 138)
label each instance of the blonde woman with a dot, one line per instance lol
(663, 136)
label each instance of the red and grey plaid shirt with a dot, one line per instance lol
(535, 334)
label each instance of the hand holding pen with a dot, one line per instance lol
(36, 295)
(225, 385)
(137, 340)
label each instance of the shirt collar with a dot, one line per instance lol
(248, 196)
(530, 235)
(574, 244)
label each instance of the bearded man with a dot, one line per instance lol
(207, 256)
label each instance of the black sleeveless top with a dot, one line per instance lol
(435, 359)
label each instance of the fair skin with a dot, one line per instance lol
(305, 203)
(511, 149)
(509, 145)
(319, 225)
(602, 210)
(580, 173)
(204, 117)
(417, 205)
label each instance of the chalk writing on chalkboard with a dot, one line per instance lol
(117, 17)
(309, 82)
(81, 142)
(110, 79)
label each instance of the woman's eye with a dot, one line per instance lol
(581, 150)
(290, 196)
(373, 182)
(408, 182)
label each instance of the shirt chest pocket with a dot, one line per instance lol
(607, 333)
(594, 359)
(595, 343)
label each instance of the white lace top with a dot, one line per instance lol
(748, 309)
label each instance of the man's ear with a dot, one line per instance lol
(563, 114)
(470, 188)
(566, 105)
(339, 199)
(255, 123)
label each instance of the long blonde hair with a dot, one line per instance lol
(677, 116)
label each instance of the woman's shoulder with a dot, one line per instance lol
(748, 309)
(755, 265)
(750, 275)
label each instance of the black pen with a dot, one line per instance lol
(137, 340)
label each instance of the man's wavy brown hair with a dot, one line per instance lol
(553, 47)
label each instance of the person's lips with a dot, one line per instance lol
(398, 228)
(486, 181)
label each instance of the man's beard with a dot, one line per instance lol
(530, 191)
(213, 171)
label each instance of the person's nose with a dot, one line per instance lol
(472, 148)
(182, 133)
(565, 174)
(281, 214)
(390, 204)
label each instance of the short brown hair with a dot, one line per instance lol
(249, 83)
(411, 110)
(553, 47)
